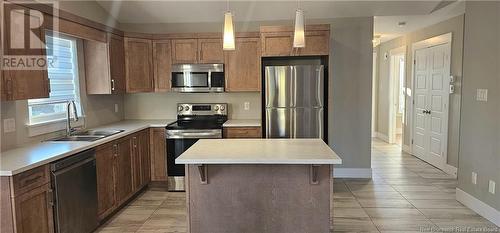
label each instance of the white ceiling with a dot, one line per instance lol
(144, 11)
(416, 14)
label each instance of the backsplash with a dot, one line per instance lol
(164, 105)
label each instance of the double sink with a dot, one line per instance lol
(88, 135)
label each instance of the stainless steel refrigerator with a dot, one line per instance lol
(294, 100)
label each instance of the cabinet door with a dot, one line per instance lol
(136, 164)
(97, 67)
(143, 148)
(117, 63)
(162, 58)
(123, 166)
(158, 151)
(210, 51)
(139, 65)
(33, 211)
(105, 158)
(317, 43)
(277, 44)
(243, 66)
(184, 51)
(23, 84)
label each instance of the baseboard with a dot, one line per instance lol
(451, 170)
(352, 173)
(479, 207)
(382, 137)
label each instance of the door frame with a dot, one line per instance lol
(392, 94)
(431, 42)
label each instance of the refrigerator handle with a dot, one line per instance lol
(293, 122)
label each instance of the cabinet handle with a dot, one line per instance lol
(48, 85)
(112, 84)
(313, 174)
(50, 197)
(9, 88)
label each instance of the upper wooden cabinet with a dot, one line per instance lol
(184, 51)
(105, 66)
(242, 66)
(162, 60)
(25, 83)
(139, 65)
(210, 51)
(278, 41)
(191, 51)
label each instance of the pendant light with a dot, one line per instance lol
(299, 40)
(228, 30)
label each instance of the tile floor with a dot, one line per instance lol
(405, 195)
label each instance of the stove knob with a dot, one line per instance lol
(222, 107)
(186, 108)
(180, 108)
(216, 108)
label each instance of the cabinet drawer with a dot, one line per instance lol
(242, 132)
(28, 180)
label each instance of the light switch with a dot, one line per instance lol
(491, 187)
(482, 95)
(116, 108)
(9, 125)
(247, 105)
(474, 178)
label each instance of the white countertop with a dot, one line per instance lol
(259, 151)
(242, 123)
(33, 155)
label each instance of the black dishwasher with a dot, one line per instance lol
(75, 192)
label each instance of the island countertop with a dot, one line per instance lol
(259, 151)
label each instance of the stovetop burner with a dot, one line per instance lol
(196, 124)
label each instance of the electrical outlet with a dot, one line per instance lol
(9, 125)
(116, 108)
(474, 178)
(247, 106)
(491, 187)
(482, 95)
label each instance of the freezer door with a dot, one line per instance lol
(307, 86)
(279, 122)
(307, 123)
(278, 82)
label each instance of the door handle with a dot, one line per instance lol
(426, 111)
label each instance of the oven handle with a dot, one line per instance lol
(200, 135)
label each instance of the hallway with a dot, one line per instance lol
(405, 195)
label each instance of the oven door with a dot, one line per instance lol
(189, 81)
(179, 141)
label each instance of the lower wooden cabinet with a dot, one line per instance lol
(158, 151)
(26, 205)
(242, 132)
(123, 168)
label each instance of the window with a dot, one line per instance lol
(63, 76)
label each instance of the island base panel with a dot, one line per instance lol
(259, 198)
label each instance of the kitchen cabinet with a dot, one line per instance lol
(201, 50)
(139, 65)
(123, 167)
(162, 58)
(105, 66)
(242, 66)
(158, 155)
(25, 83)
(242, 132)
(184, 51)
(105, 170)
(140, 159)
(210, 51)
(26, 201)
(278, 41)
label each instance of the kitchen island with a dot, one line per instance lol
(259, 185)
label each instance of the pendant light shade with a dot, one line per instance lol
(299, 40)
(228, 32)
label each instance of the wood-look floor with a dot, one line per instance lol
(405, 195)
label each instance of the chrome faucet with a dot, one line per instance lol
(69, 129)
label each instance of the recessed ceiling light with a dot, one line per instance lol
(402, 24)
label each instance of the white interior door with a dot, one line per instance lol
(431, 101)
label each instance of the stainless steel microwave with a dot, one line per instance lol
(198, 78)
